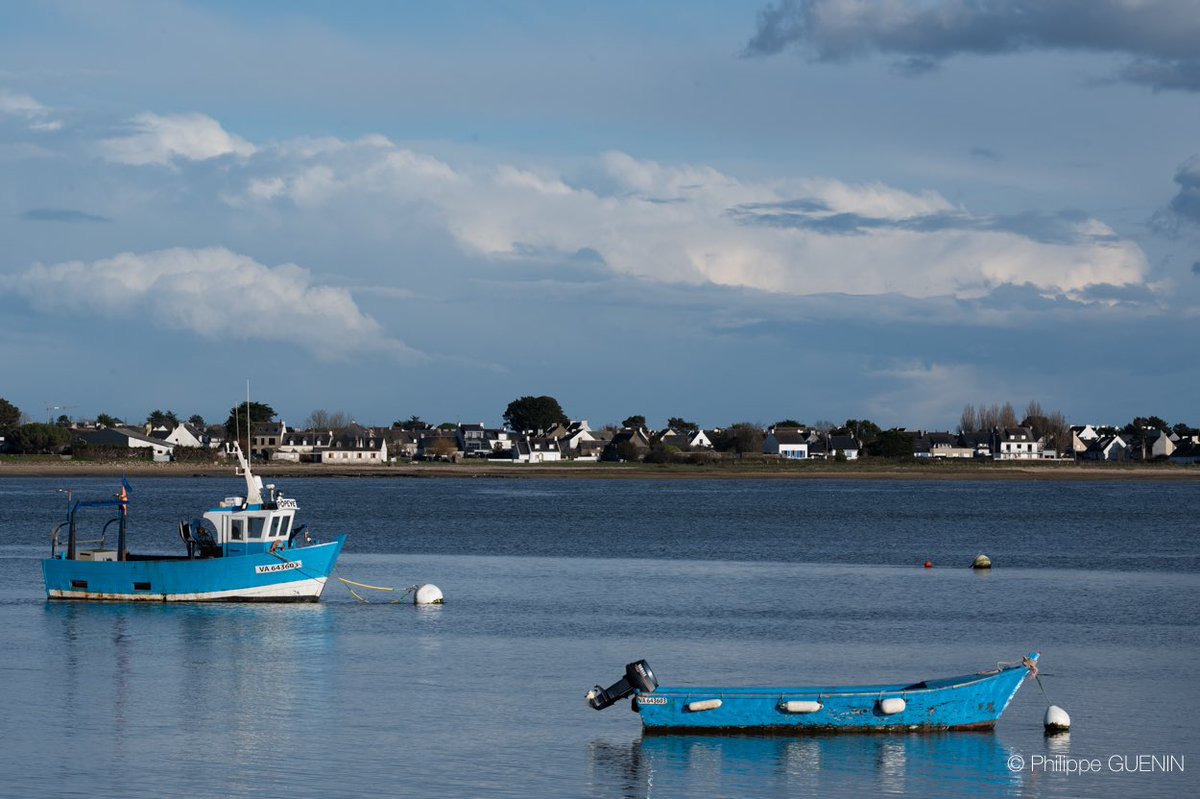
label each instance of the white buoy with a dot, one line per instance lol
(892, 705)
(802, 706)
(1056, 720)
(982, 562)
(428, 594)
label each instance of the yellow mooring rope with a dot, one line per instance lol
(361, 598)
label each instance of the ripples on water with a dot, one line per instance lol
(554, 585)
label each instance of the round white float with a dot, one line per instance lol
(428, 594)
(892, 705)
(1056, 719)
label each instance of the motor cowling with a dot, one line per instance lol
(638, 677)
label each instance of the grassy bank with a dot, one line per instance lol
(752, 469)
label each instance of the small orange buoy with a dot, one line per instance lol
(929, 564)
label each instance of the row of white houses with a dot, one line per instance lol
(366, 446)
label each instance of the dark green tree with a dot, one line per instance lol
(788, 423)
(534, 413)
(107, 421)
(1137, 432)
(447, 426)
(38, 438)
(10, 416)
(240, 425)
(62, 421)
(892, 444)
(159, 418)
(741, 437)
(413, 422)
(196, 420)
(634, 422)
(681, 425)
(864, 430)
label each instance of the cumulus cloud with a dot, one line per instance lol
(35, 115)
(696, 225)
(1185, 205)
(1162, 37)
(212, 292)
(162, 140)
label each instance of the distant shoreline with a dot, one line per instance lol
(751, 470)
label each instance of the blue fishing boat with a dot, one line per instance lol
(968, 702)
(246, 549)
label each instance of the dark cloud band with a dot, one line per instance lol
(1162, 36)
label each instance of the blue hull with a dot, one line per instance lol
(955, 703)
(294, 574)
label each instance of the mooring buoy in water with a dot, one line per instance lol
(982, 562)
(1056, 720)
(428, 594)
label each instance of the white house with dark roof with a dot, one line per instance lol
(354, 446)
(472, 440)
(161, 451)
(300, 446)
(1082, 435)
(536, 449)
(1159, 444)
(787, 442)
(1107, 448)
(849, 446)
(1016, 444)
(182, 435)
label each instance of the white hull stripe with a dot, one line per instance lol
(296, 589)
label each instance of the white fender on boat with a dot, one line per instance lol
(892, 705)
(428, 594)
(1056, 719)
(802, 706)
(703, 704)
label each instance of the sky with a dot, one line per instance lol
(806, 209)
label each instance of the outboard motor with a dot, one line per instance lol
(638, 677)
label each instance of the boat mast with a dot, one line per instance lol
(253, 483)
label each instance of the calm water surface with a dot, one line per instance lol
(553, 586)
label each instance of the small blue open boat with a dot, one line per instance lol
(968, 702)
(247, 549)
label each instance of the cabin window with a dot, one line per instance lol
(256, 528)
(141, 586)
(235, 529)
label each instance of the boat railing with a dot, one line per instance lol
(79, 542)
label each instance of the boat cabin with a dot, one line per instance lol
(235, 527)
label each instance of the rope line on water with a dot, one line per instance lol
(362, 598)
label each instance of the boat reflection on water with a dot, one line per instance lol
(974, 763)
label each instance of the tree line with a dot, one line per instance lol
(539, 414)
